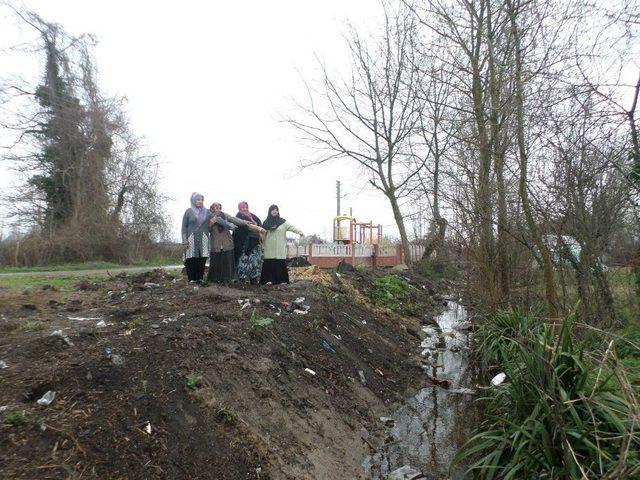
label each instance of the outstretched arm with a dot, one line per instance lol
(243, 223)
(291, 228)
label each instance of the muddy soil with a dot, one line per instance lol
(156, 378)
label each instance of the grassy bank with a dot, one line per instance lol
(62, 283)
(157, 262)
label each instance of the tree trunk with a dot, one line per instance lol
(547, 264)
(397, 215)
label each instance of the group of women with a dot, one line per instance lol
(239, 247)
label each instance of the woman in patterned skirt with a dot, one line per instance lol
(222, 266)
(248, 252)
(195, 238)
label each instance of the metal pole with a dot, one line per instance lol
(338, 197)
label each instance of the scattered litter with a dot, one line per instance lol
(363, 379)
(464, 326)
(244, 303)
(309, 371)
(498, 379)
(80, 319)
(155, 326)
(339, 337)
(295, 307)
(464, 391)
(117, 359)
(364, 322)
(3, 408)
(327, 347)
(149, 285)
(47, 398)
(101, 324)
(147, 428)
(379, 372)
(61, 334)
(3, 364)
(388, 421)
(107, 351)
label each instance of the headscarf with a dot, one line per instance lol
(245, 240)
(271, 222)
(201, 212)
(213, 213)
(244, 213)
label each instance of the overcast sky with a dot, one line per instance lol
(206, 84)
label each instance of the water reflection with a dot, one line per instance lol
(433, 424)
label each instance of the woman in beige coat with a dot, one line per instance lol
(274, 267)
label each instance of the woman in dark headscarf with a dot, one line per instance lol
(195, 238)
(247, 246)
(274, 268)
(222, 267)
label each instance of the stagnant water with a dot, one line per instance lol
(430, 427)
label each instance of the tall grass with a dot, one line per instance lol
(562, 414)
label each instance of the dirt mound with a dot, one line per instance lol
(180, 381)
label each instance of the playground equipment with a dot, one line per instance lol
(348, 231)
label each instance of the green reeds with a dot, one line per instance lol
(561, 414)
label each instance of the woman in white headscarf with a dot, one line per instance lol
(195, 238)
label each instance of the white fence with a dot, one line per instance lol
(297, 250)
(387, 251)
(416, 252)
(342, 250)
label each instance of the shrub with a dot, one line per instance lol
(437, 269)
(395, 293)
(560, 415)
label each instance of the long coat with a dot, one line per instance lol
(195, 234)
(275, 242)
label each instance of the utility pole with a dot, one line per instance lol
(338, 197)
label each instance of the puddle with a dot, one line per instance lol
(431, 426)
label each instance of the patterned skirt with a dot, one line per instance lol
(250, 265)
(198, 246)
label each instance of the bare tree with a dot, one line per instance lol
(369, 118)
